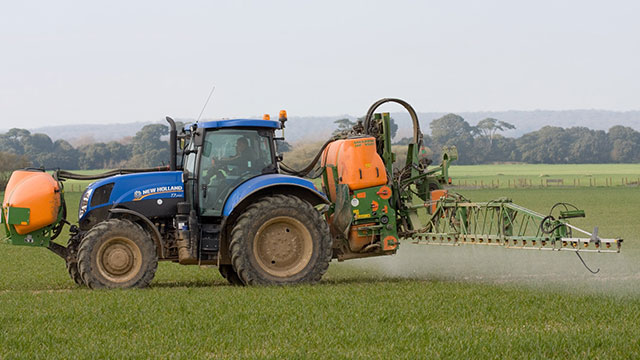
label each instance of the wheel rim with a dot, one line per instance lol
(283, 246)
(119, 259)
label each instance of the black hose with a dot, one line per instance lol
(544, 229)
(585, 264)
(417, 135)
(63, 174)
(311, 165)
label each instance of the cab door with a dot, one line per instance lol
(230, 157)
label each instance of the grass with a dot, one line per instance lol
(537, 174)
(360, 318)
(425, 302)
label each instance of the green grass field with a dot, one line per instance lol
(537, 174)
(424, 302)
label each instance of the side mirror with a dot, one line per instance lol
(182, 144)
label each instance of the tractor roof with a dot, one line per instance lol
(214, 124)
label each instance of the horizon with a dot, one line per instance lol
(180, 118)
(301, 128)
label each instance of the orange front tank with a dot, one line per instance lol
(37, 191)
(358, 164)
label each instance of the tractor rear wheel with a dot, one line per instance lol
(117, 253)
(280, 240)
(227, 272)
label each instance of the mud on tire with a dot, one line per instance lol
(280, 240)
(117, 253)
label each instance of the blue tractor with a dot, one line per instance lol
(224, 185)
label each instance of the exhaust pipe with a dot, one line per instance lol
(173, 144)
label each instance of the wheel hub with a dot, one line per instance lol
(119, 259)
(283, 246)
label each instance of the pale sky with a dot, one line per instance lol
(71, 62)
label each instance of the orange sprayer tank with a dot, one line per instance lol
(35, 190)
(358, 164)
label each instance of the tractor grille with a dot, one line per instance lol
(101, 195)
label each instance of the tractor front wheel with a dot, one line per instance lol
(72, 261)
(72, 269)
(280, 240)
(117, 253)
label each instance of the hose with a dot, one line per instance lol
(63, 174)
(368, 120)
(311, 165)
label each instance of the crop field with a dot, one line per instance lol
(517, 175)
(425, 302)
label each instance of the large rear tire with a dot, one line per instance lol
(227, 272)
(117, 253)
(280, 240)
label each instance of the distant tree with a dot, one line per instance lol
(63, 156)
(452, 129)
(283, 146)
(94, 156)
(343, 125)
(83, 140)
(587, 146)
(403, 141)
(625, 144)
(148, 148)
(549, 145)
(13, 140)
(119, 153)
(490, 126)
(37, 144)
(426, 139)
(394, 128)
(499, 150)
(9, 162)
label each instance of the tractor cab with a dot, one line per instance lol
(225, 154)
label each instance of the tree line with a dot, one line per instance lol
(147, 148)
(483, 143)
(479, 144)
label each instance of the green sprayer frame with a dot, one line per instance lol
(457, 221)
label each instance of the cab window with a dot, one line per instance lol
(229, 158)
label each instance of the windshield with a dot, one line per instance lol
(230, 157)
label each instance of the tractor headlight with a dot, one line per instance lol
(84, 202)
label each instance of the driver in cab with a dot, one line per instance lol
(241, 161)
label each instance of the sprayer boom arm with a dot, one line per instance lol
(457, 221)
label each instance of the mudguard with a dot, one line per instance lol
(266, 181)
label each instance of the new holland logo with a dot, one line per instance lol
(172, 191)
